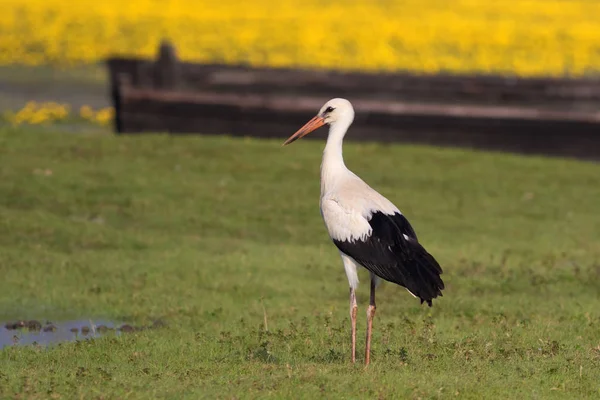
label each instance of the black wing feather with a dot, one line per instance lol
(391, 256)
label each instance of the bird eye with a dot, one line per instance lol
(329, 109)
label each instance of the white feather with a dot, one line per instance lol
(351, 268)
(348, 206)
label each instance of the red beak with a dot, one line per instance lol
(310, 126)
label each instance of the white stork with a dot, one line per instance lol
(367, 228)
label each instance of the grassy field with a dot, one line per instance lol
(222, 239)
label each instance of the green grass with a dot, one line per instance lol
(204, 232)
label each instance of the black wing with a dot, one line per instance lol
(397, 258)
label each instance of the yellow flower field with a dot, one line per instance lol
(527, 37)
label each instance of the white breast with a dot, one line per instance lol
(348, 206)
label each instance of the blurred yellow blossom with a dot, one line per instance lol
(86, 112)
(35, 113)
(38, 113)
(104, 116)
(527, 37)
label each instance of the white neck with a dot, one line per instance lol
(332, 166)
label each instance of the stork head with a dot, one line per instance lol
(333, 112)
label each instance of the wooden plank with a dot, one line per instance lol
(276, 116)
(282, 103)
(574, 94)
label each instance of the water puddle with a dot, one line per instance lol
(46, 332)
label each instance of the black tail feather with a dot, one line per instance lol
(425, 281)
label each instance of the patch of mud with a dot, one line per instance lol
(35, 332)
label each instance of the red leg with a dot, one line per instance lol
(353, 309)
(370, 315)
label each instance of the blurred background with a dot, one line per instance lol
(52, 53)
